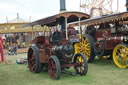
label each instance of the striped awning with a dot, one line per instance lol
(25, 30)
(103, 19)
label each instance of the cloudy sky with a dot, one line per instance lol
(38, 8)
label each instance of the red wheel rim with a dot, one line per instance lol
(31, 60)
(52, 68)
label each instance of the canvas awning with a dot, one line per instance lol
(25, 30)
(103, 19)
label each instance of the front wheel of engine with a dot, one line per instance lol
(81, 67)
(54, 68)
(120, 55)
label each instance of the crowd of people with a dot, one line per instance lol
(13, 41)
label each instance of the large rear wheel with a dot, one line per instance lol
(34, 64)
(54, 68)
(120, 55)
(85, 46)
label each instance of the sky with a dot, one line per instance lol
(38, 9)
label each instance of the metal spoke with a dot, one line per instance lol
(33, 67)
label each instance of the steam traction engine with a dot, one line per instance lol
(55, 49)
(105, 36)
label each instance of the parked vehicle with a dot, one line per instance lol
(103, 36)
(55, 49)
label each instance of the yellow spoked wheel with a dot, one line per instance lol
(85, 47)
(120, 55)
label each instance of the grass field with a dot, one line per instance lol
(101, 72)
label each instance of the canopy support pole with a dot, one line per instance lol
(32, 33)
(66, 29)
(80, 32)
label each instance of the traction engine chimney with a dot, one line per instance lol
(127, 5)
(62, 6)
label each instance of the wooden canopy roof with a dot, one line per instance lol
(55, 19)
(103, 19)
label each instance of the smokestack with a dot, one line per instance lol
(7, 19)
(127, 5)
(62, 6)
(17, 15)
(30, 19)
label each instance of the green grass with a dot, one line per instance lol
(101, 72)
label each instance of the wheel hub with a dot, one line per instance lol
(82, 48)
